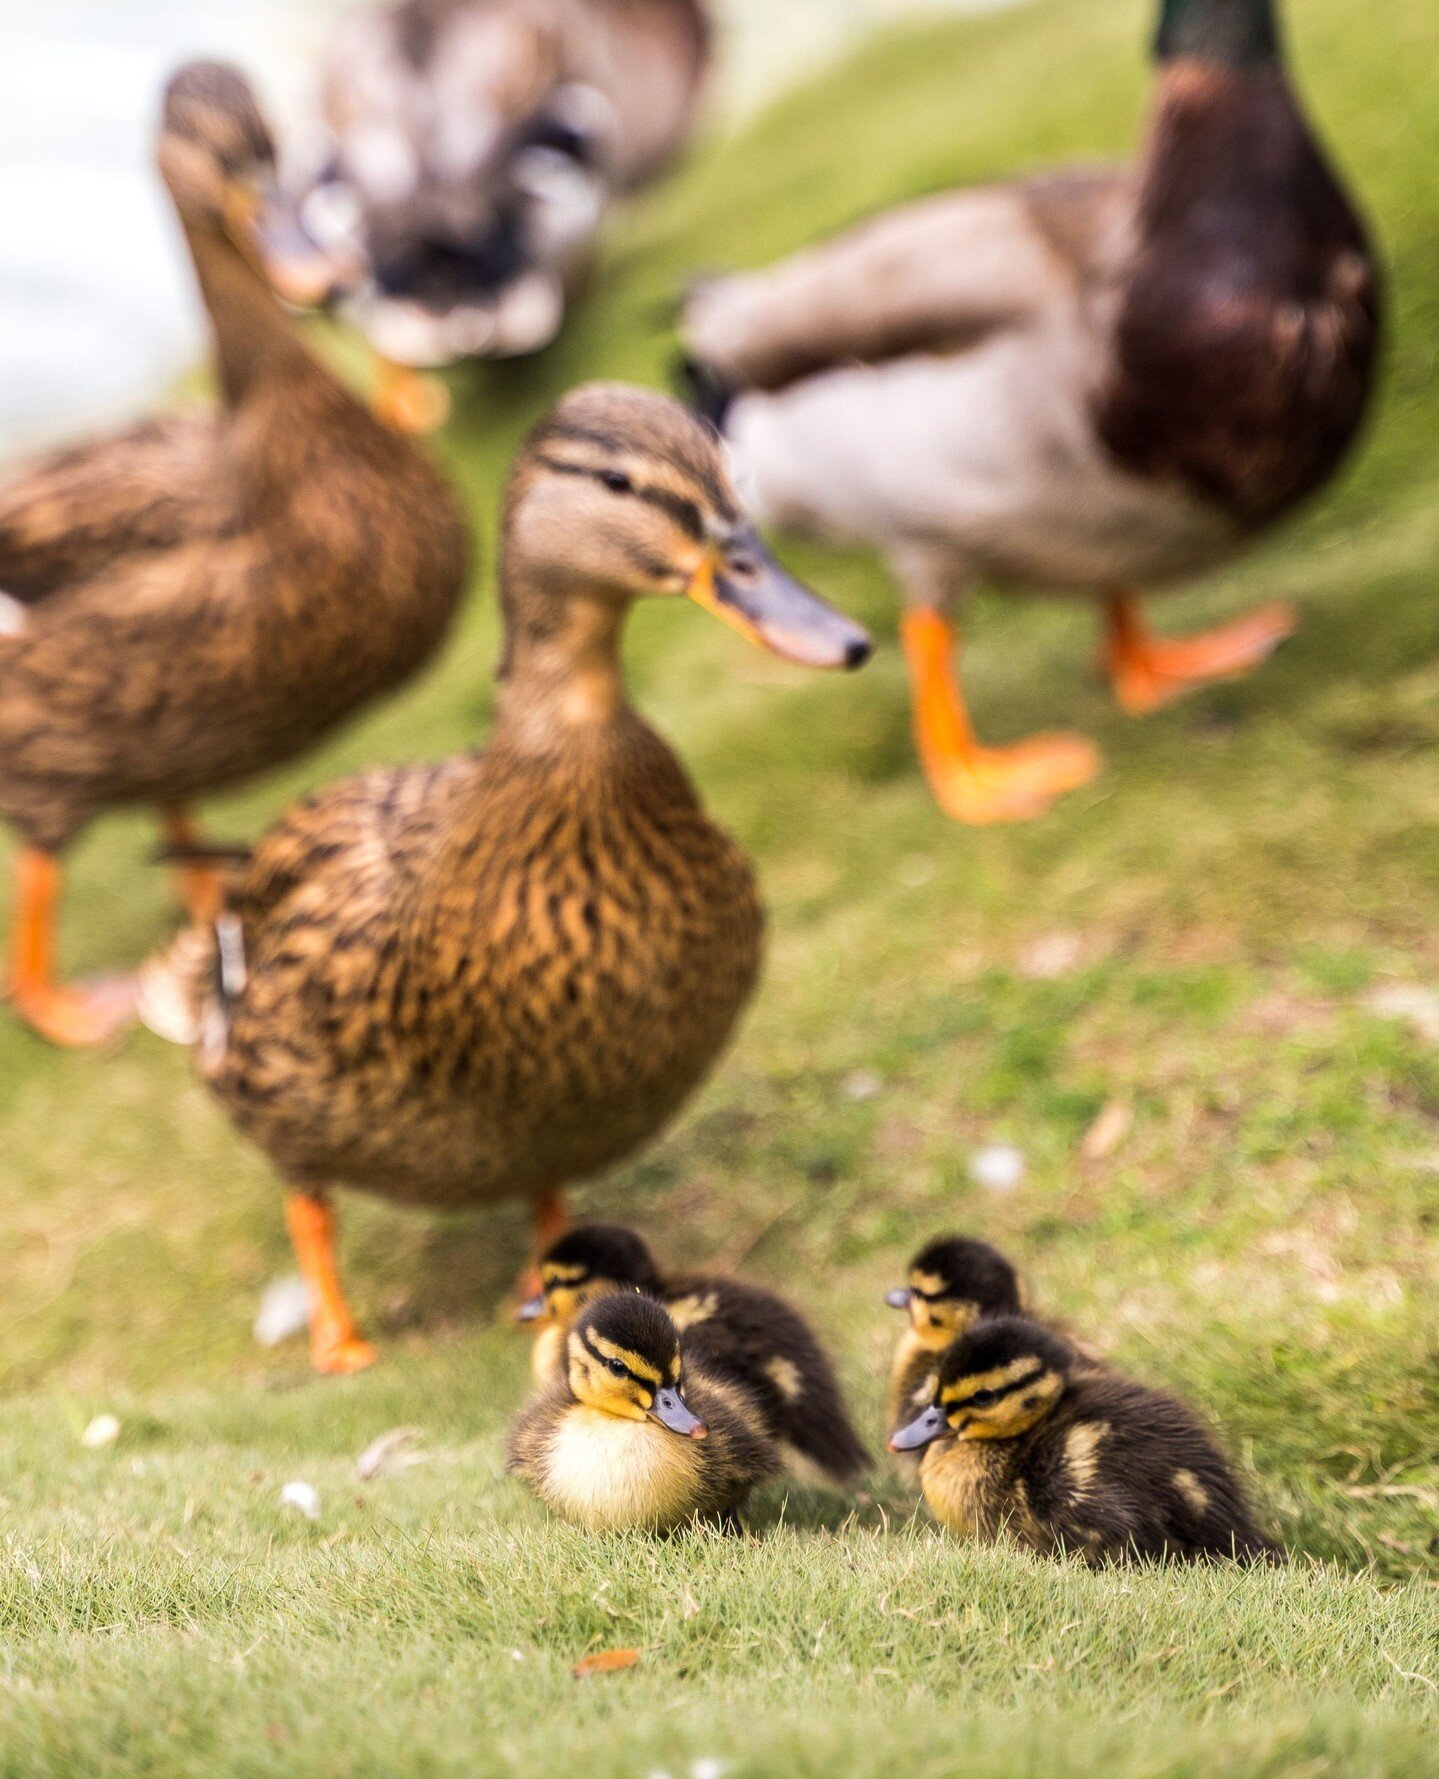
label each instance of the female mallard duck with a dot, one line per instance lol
(1092, 381)
(952, 1283)
(474, 147)
(486, 978)
(732, 1329)
(1020, 1440)
(634, 1435)
(203, 598)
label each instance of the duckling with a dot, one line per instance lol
(635, 1434)
(732, 1329)
(205, 597)
(451, 984)
(1019, 1440)
(474, 148)
(953, 1282)
(1090, 381)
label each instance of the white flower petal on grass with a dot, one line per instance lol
(709, 1769)
(1419, 1007)
(394, 1450)
(998, 1168)
(303, 1497)
(103, 1430)
(284, 1311)
(1049, 958)
(863, 1084)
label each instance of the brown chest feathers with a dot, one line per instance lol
(1248, 332)
(509, 972)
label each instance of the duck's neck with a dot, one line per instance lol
(1222, 33)
(255, 348)
(561, 679)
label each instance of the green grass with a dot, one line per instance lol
(1266, 1239)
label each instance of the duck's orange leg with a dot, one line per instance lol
(973, 783)
(77, 1016)
(201, 885)
(336, 1347)
(407, 400)
(548, 1222)
(1148, 671)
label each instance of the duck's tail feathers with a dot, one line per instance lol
(821, 1432)
(185, 992)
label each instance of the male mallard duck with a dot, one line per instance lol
(1019, 1439)
(486, 978)
(952, 1283)
(202, 598)
(1093, 381)
(474, 147)
(732, 1329)
(635, 1436)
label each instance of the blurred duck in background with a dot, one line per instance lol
(474, 147)
(207, 595)
(458, 983)
(1095, 381)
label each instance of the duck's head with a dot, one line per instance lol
(584, 1264)
(217, 157)
(620, 494)
(1230, 33)
(996, 1382)
(953, 1283)
(623, 1358)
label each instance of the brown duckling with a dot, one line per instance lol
(732, 1329)
(457, 983)
(952, 1283)
(1021, 1441)
(1092, 381)
(205, 597)
(635, 1434)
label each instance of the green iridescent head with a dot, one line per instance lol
(1231, 33)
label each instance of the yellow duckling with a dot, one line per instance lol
(1021, 1441)
(733, 1329)
(632, 1438)
(953, 1282)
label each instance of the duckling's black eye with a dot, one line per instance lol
(617, 481)
(983, 1399)
(616, 1368)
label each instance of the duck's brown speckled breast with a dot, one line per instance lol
(492, 977)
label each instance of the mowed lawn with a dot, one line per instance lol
(1210, 943)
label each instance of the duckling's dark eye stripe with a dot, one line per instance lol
(683, 511)
(998, 1392)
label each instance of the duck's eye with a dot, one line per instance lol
(616, 1368)
(983, 1399)
(617, 481)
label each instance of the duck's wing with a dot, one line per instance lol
(69, 516)
(934, 276)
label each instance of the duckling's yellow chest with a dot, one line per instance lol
(967, 1486)
(610, 1474)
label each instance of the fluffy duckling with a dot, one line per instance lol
(1094, 381)
(474, 147)
(453, 984)
(205, 597)
(731, 1329)
(953, 1282)
(1020, 1441)
(635, 1435)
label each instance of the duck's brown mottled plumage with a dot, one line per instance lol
(209, 597)
(499, 974)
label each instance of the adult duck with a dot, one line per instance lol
(472, 149)
(1095, 381)
(205, 597)
(454, 984)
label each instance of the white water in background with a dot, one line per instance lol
(97, 311)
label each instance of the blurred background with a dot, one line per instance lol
(96, 304)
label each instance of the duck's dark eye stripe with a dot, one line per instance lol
(987, 1398)
(680, 508)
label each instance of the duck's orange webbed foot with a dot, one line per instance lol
(975, 784)
(77, 1015)
(336, 1346)
(1148, 671)
(408, 400)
